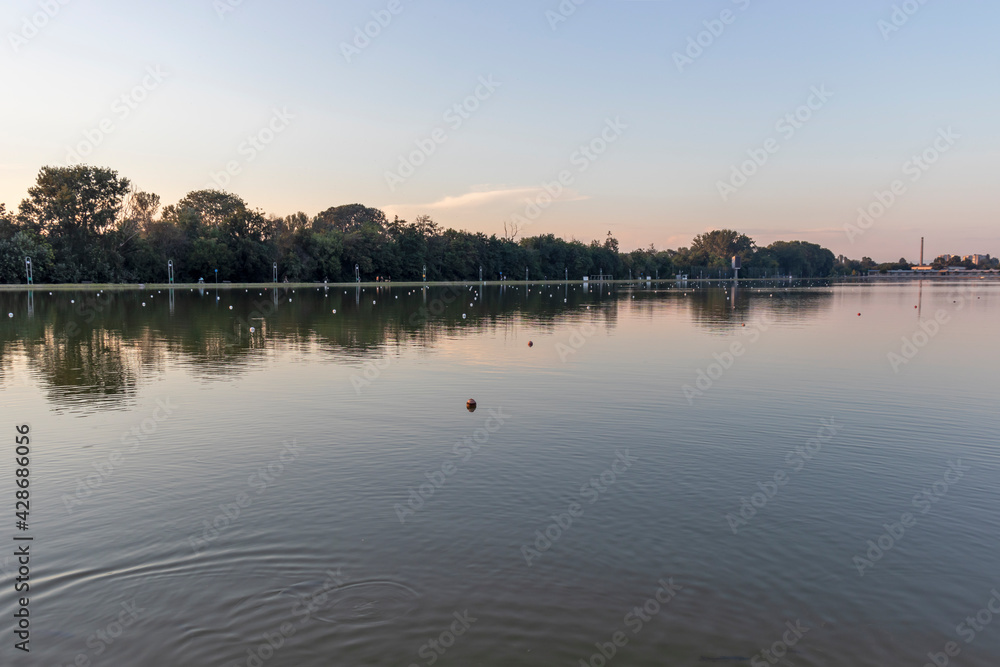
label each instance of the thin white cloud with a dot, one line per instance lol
(479, 198)
(473, 199)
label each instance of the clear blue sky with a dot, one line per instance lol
(657, 182)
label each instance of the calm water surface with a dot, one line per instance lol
(758, 461)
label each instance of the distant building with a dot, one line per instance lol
(978, 260)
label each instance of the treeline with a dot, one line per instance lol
(87, 223)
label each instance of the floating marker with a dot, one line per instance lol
(471, 405)
(252, 329)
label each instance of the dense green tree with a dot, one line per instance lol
(22, 244)
(722, 244)
(77, 203)
(350, 218)
(802, 259)
(86, 223)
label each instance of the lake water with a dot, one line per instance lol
(671, 475)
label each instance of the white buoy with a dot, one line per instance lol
(230, 307)
(10, 314)
(143, 304)
(334, 311)
(252, 329)
(463, 316)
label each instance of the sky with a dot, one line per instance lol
(861, 125)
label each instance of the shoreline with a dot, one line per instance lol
(447, 283)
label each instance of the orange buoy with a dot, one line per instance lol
(471, 405)
(530, 344)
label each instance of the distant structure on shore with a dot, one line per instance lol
(953, 265)
(979, 260)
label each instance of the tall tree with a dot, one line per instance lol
(722, 244)
(350, 218)
(77, 203)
